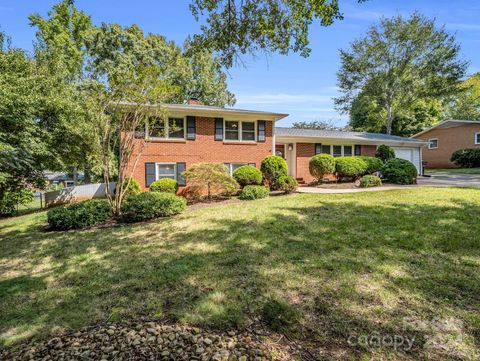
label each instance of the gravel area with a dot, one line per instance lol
(144, 341)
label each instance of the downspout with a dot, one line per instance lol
(273, 136)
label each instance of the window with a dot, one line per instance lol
(326, 149)
(433, 143)
(337, 151)
(166, 170)
(231, 130)
(358, 150)
(347, 150)
(173, 128)
(248, 131)
(232, 167)
(140, 131)
(477, 138)
(176, 128)
(240, 131)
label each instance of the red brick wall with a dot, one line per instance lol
(449, 140)
(369, 150)
(203, 149)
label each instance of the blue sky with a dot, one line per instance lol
(302, 87)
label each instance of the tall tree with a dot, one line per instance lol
(398, 62)
(466, 104)
(318, 125)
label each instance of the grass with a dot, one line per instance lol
(402, 263)
(454, 171)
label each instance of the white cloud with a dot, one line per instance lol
(282, 98)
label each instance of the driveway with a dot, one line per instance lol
(450, 180)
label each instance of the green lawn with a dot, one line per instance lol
(454, 171)
(403, 263)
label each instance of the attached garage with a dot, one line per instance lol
(412, 154)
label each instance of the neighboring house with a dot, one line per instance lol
(62, 178)
(446, 137)
(238, 137)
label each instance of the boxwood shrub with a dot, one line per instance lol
(351, 167)
(132, 188)
(385, 153)
(466, 158)
(254, 192)
(247, 175)
(79, 215)
(321, 165)
(286, 183)
(273, 167)
(373, 164)
(150, 205)
(168, 185)
(399, 171)
(369, 180)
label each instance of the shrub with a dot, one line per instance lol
(399, 171)
(247, 175)
(11, 200)
(273, 167)
(466, 158)
(321, 165)
(385, 153)
(79, 215)
(148, 205)
(369, 180)
(131, 189)
(254, 192)
(168, 185)
(286, 183)
(212, 178)
(350, 166)
(279, 314)
(373, 164)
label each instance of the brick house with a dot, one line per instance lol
(195, 133)
(446, 137)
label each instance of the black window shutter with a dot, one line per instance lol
(218, 128)
(149, 173)
(318, 148)
(261, 131)
(181, 167)
(358, 149)
(252, 164)
(191, 127)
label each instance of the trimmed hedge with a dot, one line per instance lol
(168, 185)
(133, 188)
(350, 166)
(385, 153)
(79, 215)
(286, 183)
(248, 175)
(150, 205)
(273, 167)
(321, 165)
(369, 180)
(254, 192)
(399, 171)
(373, 164)
(466, 158)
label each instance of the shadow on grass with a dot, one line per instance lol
(351, 268)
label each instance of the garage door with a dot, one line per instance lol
(410, 154)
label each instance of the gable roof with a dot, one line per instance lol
(343, 135)
(449, 123)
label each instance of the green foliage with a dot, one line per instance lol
(130, 188)
(318, 125)
(279, 314)
(369, 180)
(388, 79)
(286, 183)
(321, 165)
(164, 185)
(12, 199)
(399, 171)
(466, 158)
(79, 215)
(374, 164)
(466, 104)
(273, 167)
(212, 178)
(247, 175)
(350, 166)
(254, 192)
(148, 205)
(384, 153)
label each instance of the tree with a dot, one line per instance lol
(212, 178)
(236, 27)
(318, 125)
(398, 62)
(466, 104)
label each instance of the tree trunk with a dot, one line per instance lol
(75, 176)
(88, 174)
(389, 119)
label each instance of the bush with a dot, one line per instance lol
(350, 166)
(385, 153)
(286, 183)
(399, 171)
(132, 188)
(373, 164)
(148, 205)
(369, 180)
(279, 314)
(79, 215)
(11, 200)
(247, 175)
(273, 167)
(168, 185)
(211, 178)
(321, 165)
(466, 158)
(254, 192)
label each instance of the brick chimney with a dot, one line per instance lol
(194, 101)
